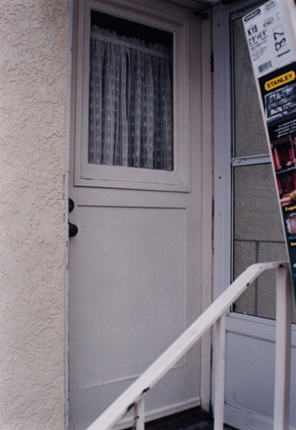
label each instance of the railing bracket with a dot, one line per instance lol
(130, 407)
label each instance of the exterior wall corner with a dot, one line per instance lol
(33, 85)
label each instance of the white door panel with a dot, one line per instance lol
(137, 273)
(130, 297)
(136, 263)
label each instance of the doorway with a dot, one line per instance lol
(137, 277)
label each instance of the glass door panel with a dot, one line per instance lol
(257, 235)
(257, 229)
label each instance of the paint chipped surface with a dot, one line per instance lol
(33, 56)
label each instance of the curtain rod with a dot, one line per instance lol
(129, 44)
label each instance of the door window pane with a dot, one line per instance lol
(249, 134)
(131, 95)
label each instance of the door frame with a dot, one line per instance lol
(222, 136)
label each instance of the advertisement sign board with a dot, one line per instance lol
(272, 50)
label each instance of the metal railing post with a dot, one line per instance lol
(283, 349)
(220, 336)
(139, 413)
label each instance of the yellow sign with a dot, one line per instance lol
(280, 80)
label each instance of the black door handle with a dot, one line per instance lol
(73, 229)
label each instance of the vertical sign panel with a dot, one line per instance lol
(272, 51)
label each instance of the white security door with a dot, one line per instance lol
(136, 262)
(247, 228)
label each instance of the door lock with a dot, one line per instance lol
(71, 205)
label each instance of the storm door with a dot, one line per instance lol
(248, 227)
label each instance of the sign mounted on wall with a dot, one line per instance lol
(272, 47)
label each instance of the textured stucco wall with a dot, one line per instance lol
(33, 57)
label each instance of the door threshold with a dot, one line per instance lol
(191, 419)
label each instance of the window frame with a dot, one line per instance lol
(98, 175)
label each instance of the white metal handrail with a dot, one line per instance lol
(215, 313)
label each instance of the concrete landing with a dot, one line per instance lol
(193, 419)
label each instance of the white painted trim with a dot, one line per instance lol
(251, 160)
(255, 327)
(207, 199)
(222, 153)
(137, 9)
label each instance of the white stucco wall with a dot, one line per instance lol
(33, 58)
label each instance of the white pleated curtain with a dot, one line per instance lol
(130, 102)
